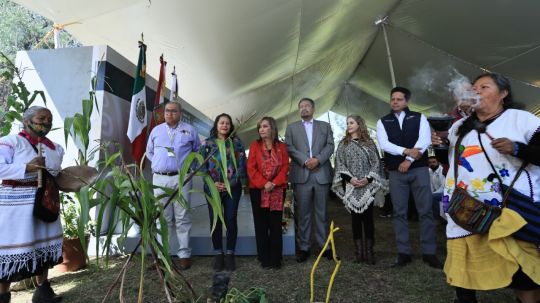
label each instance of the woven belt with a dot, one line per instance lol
(14, 183)
(174, 173)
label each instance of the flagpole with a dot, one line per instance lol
(138, 121)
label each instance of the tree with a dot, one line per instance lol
(21, 29)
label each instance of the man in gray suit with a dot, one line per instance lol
(310, 144)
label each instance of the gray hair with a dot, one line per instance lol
(178, 105)
(32, 111)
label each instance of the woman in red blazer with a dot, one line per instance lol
(268, 165)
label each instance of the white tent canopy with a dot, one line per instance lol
(239, 56)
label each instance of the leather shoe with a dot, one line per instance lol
(402, 260)
(184, 263)
(432, 261)
(302, 256)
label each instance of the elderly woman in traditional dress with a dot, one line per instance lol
(492, 143)
(28, 245)
(358, 177)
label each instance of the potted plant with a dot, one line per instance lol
(73, 254)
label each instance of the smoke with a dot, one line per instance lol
(461, 89)
(427, 79)
(444, 83)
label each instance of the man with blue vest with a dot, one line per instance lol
(404, 136)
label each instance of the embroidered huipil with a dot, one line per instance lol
(476, 175)
(27, 244)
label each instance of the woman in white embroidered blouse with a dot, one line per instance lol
(508, 137)
(34, 245)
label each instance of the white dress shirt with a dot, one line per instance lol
(423, 142)
(308, 126)
(437, 180)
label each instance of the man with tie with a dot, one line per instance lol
(310, 144)
(404, 136)
(168, 145)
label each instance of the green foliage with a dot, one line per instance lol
(79, 126)
(71, 211)
(253, 295)
(21, 29)
(19, 99)
(129, 198)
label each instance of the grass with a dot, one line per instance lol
(354, 282)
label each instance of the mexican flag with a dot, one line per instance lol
(137, 115)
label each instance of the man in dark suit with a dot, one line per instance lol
(310, 144)
(404, 136)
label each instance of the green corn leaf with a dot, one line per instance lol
(215, 201)
(68, 123)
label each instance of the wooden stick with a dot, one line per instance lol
(40, 171)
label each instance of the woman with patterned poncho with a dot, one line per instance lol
(28, 246)
(358, 177)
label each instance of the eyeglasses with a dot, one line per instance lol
(172, 111)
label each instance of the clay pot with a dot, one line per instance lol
(73, 255)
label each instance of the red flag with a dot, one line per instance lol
(159, 100)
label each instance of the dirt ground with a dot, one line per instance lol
(353, 282)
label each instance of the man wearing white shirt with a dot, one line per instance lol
(437, 184)
(404, 136)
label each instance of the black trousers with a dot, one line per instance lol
(363, 221)
(268, 233)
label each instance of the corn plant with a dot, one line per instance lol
(124, 197)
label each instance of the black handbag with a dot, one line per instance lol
(524, 205)
(47, 201)
(528, 210)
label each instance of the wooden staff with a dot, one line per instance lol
(40, 171)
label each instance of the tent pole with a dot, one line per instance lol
(390, 64)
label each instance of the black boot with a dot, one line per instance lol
(364, 248)
(45, 294)
(230, 264)
(219, 262)
(370, 256)
(5, 297)
(359, 255)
